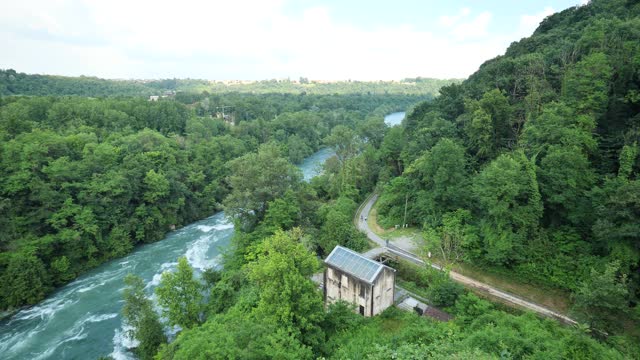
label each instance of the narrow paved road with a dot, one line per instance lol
(363, 226)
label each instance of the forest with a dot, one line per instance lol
(529, 167)
(86, 180)
(14, 83)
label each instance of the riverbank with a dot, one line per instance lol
(82, 318)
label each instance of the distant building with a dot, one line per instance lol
(154, 98)
(363, 282)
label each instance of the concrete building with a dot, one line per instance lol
(351, 277)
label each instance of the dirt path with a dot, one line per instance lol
(398, 250)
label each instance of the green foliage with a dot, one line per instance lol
(442, 170)
(559, 125)
(442, 291)
(337, 227)
(549, 133)
(255, 180)
(138, 313)
(281, 267)
(586, 84)
(454, 237)
(524, 336)
(510, 203)
(180, 296)
(566, 177)
(24, 280)
(14, 83)
(468, 307)
(602, 297)
(233, 336)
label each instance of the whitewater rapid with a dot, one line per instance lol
(82, 320)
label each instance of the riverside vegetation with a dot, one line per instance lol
(529, 166)
(86, 180)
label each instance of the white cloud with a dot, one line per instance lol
(450, 20)
(232, 39)
(464, 28)
(476, 28)
(528, 23)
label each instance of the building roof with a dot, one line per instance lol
(354, 264)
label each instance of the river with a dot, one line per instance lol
(394, 119)
(82, 319)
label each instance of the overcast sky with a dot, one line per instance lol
(263, 39)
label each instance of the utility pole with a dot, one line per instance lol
(223, 107)
(406, 202)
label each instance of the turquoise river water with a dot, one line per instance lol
(82, 320)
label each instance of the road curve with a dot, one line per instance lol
(360, 220)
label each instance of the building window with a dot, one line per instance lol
(361, 310)
(362, 291)
(345, 281)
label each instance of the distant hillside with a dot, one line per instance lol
(14, 83)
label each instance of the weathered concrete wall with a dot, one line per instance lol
(341, 286)
(383, 290)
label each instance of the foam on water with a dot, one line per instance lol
(122, 344)
(81, 320)
(103, 317)
(46, 310)
(223, 226)
(205, 228)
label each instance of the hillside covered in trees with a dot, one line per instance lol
(15, 83)
(532, 166)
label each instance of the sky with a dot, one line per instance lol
(263, 39)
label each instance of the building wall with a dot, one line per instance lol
(383, 290)
(341, 286)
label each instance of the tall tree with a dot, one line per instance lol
(255, 180)
(138, 313)
(281, 268)
(602, 298)
(180, 296)
(442, 172)
(510, 206)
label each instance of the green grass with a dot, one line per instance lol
(412, 287)
(552, 298)
(391, 233)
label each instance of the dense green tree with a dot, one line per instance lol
(281, 269)
(566, 177)
(480, 132)
(454, 237)
(256, 179)
(180, 296)
(510, 205)
(391, 149)
(337, 227)
(138, 313)
(443, 172)
(559, 125)
(25, 280)
(586, 84)
(601, 298)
